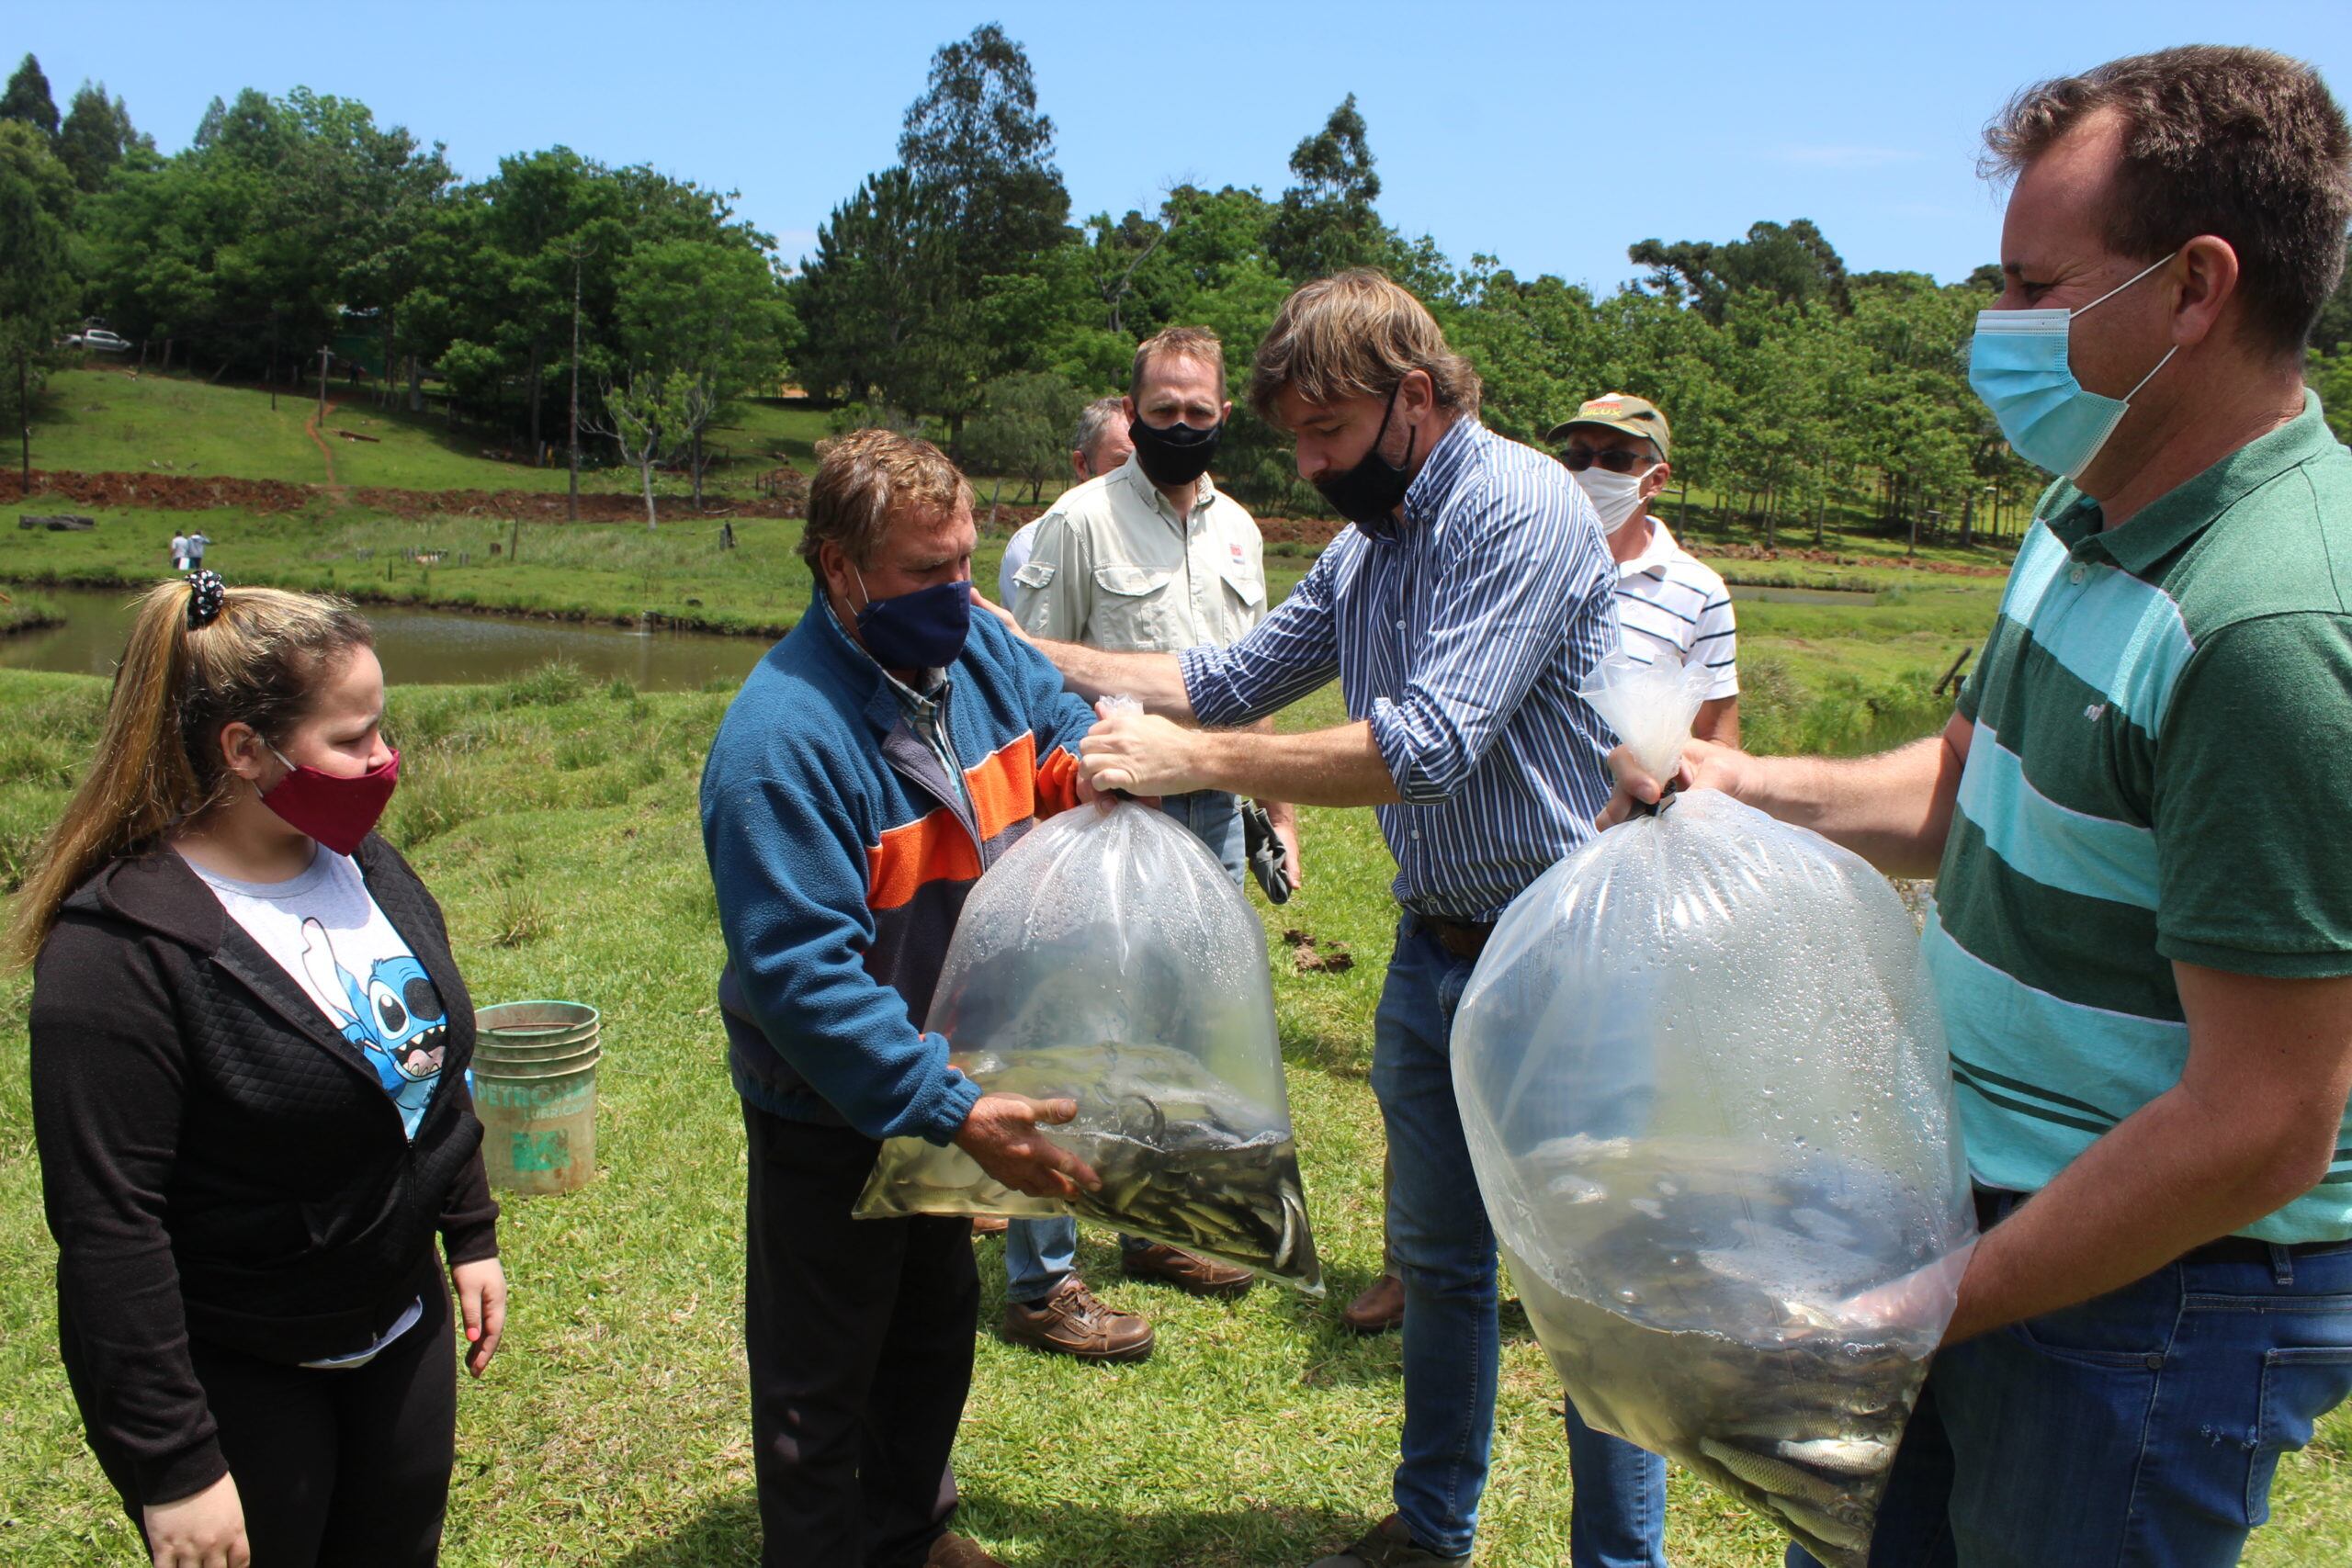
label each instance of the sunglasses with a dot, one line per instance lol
(1616, 459)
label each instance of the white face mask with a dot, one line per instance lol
(1617, 497)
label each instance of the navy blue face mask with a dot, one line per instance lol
(922, 630)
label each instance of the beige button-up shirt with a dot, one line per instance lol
(1114, 567)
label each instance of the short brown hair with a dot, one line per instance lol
(864, 478)
(1353, 336)
(1196, 344)
(2240, 143)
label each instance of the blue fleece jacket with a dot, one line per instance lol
(842, 852)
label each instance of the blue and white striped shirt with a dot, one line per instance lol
(1462, 642)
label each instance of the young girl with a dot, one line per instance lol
(249, 1049)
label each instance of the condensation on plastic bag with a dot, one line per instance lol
(1649, 705)
(1108, 958)
(1705, 1091)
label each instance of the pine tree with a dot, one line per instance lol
(27, 98)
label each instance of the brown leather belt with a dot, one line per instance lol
(1994, 1204)
(1464, 939)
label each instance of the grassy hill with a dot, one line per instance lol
(110, 419)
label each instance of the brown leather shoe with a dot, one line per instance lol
(1389, 1544)
(953, 1550)
(1193, 1275)
(989, 1224)
(1072, 1321)
(1379, 1310)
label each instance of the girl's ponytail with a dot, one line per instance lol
(199, 655)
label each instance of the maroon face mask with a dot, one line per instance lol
(337, 812)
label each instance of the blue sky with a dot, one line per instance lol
(1551, 136)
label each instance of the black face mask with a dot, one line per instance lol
(1368, 494)
(1175, 454)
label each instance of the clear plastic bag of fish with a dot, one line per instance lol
(1108, 959)
(1704, 1087)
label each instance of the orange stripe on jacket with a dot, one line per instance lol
(1004, 785)
(930, 849)
(1058, 783)
(1007, 788)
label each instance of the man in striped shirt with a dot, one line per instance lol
(1668, 606)
(1460, 614)
(2143, 941)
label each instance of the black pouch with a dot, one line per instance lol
(1265, 852)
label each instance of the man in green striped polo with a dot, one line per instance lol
(2141, 821)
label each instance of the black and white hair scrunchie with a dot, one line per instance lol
(205, 593)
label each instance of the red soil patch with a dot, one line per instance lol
(189, 493)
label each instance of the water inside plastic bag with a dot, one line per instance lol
(1108, 958)
(1704, 1087)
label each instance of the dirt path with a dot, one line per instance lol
(310, 429)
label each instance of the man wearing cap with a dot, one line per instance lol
(1668, 604)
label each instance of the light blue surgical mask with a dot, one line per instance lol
(2017, 363)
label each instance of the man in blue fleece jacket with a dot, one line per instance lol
(874, 763)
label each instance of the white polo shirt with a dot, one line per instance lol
(1668, 603)
(1113, 566)
(1016, 556)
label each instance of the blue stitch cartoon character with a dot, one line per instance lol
(396, 1019)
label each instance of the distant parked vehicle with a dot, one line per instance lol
(97, 340)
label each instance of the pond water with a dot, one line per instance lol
(452, 648)
(424, 647)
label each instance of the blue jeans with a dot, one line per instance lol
(2138, 1430)
(1446, 1253)
(1215, 818)
(1040, 1254)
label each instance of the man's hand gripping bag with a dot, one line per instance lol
(1107, 958)
(1705, 1091)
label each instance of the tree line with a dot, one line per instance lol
(557, 297)
(953, 292)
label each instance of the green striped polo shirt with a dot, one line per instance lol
(2160, 769)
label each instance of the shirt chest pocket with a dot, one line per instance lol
(1131, 608)
(1245, 586)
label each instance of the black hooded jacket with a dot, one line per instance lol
(218, 1161)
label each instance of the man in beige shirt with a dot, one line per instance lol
(1150, 555)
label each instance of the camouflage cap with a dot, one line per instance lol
(1616, 411)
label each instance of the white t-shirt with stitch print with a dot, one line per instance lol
(325, 930)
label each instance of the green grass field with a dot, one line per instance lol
(557, 825)
(608, 570)
(105, 420)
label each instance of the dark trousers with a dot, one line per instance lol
(859, 1334)
(336, 1469)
